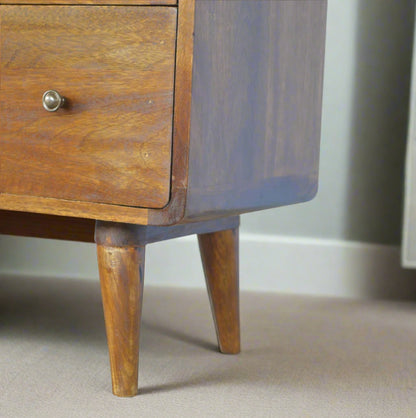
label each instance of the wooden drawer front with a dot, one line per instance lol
(97, 2)
(112, 142)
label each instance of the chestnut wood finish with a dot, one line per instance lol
(261, 153)
(181, 115)
(121, 261)
(78, 229)
(121, 276)
(264, 61)
(219, 253)
(67, 208)
(46, 226)
(128, 234)
(173, 212)
(112, 143)
(96, 2)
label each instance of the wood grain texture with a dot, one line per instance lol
(112, 143)
(96, 2)
(122, 235)
(256, 104)
(121, 257)
(219, 253)
(255, 127)
(174, 212)
(61, 207)
(46, 226)
(79, 229)
(121, 275)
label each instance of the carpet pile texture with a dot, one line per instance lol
(302, 356)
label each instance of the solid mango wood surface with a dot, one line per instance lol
(121, 258)
(115, 65)
(46, 226)
(219, 253)
(246, 123)
(261, 153)
(70, 208)
(80, 229)
(95, 2)
(256, 105)
(174, 211)
(118, 234)
(121, 275)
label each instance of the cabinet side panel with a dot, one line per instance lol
(256, 104)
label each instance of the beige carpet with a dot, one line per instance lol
(302, 356)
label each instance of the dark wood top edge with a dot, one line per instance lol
(144, 3)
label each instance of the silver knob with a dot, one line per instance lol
(52, 100)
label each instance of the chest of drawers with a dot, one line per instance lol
(128, 122)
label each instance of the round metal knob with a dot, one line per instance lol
(52, 100)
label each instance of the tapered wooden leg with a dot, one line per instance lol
(121, 257)
(121, 271)
(219, 253)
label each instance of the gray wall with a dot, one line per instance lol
(366, 94)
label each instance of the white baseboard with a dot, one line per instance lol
(267, 263)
